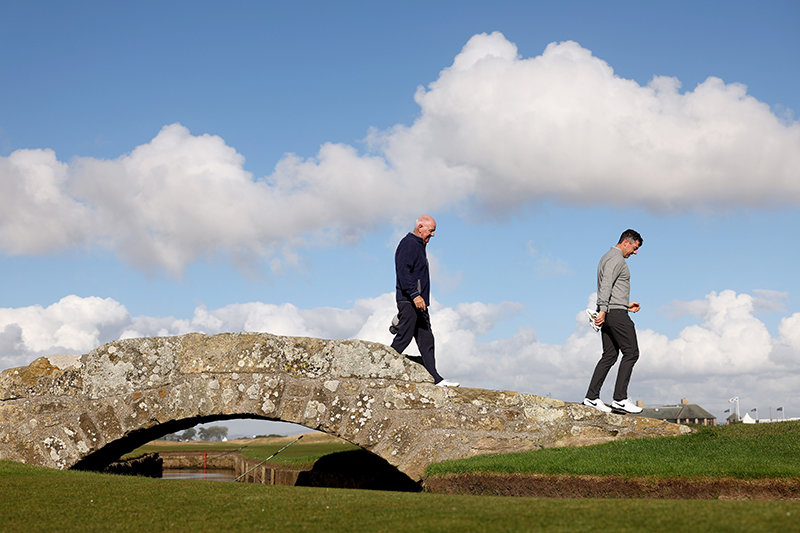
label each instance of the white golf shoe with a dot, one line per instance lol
(597, 404)
(626, 405)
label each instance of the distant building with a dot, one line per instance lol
(683, 413)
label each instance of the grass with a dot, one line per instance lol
(740, 451)
(301, 454)
(37, 499)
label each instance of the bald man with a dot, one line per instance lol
(413, 296)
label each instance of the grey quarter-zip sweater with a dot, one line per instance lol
(613, 281)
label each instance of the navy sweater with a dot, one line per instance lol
(411, 266)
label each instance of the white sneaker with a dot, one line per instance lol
(626, 405)
(597, 404)
(592, 315)
(445, 383)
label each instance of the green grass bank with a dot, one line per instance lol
(743, 451)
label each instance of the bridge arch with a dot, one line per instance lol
(67, 412)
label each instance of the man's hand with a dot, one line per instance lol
(600, 318)
(634, 306)
(419, 302)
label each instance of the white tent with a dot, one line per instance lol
(747, 419)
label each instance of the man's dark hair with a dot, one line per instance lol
(631, 235)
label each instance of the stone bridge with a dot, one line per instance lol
(85, 412)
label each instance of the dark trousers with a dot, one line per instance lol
(618, 333)
(416, 324)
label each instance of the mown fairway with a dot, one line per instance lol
(37, 499)
(302, 453)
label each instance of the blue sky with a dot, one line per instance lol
(204, 166)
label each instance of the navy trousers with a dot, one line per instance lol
(416, 324)
(619, 334)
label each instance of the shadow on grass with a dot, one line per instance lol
(356, 469)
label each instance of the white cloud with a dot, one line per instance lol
(790, 331)
(564, 125)
(728, 352)
(730, 340)
(770, 301)
(181, 197)
(763, 300)
(37, 213)
(71, 325)
(495, 129)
